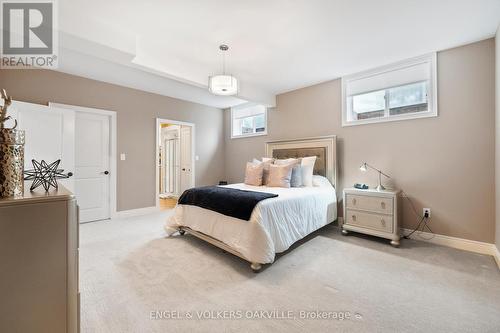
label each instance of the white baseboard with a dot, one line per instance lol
(457, 243)
(135, 212)
(454, 242)
(497, 256)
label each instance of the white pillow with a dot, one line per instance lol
(320, 181)
(307, 165)
(267, 159)
(286, 161)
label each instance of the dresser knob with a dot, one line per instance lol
(353, 201)
(382, 204)
(382, 221)
(354, 217)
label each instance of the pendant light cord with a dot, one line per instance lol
(224, 62)
(223, 48)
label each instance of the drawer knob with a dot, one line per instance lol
(382, 204)
(354, 217)
(353, 201)
(382, 221)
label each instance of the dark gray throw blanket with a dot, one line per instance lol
(224, 200)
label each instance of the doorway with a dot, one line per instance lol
(84, 140)
(95, 170)
(92, 166)
(175, 161)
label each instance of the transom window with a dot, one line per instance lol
(403, 91)
(248, 120)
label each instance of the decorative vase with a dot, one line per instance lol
(11, 162)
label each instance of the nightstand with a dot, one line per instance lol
(372, 212)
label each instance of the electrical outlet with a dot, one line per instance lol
(427, 211)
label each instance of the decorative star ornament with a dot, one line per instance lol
(44, 174)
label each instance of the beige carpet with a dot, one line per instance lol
(128, 269)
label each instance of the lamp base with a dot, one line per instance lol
(380, 187)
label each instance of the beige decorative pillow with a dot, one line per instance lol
(253, 173)
(266, 161)
(265, 174)
(280, 175)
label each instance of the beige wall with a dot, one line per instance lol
(445, 163)
(136, 114)
(497, 138)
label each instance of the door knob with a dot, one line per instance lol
(106, 172)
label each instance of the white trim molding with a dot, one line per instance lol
(243, 106)
(347, 81)
(454, 242)
(496, 255)
(328, 142)
(113, 169)
(135, 212)
(160, 121)
(457, 243)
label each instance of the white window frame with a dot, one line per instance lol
(247, 135)
(432, 93)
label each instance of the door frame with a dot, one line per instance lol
(112, 148)
(160, 121)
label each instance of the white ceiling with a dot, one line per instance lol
(275, 46)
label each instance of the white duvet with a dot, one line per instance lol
(275, 223)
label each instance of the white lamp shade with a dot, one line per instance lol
(224, 85)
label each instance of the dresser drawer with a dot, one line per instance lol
(368, 220)
(369, 203)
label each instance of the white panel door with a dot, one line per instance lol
(49, 135)
(92, 166)
(186, 159)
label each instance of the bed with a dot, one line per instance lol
(275, 223)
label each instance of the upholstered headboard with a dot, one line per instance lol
(324, 148)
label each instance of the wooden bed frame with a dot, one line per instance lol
(325, 149)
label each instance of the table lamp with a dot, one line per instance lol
(365, 167)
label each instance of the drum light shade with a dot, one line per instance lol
(224, 85)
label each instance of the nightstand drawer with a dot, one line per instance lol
(369, 203)
(368, 220)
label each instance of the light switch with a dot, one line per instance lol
(123, 157)
(197, 158)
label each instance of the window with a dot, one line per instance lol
(248, 120)
(402, 91)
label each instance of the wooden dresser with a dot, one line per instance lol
(39, 263)
(372, 212)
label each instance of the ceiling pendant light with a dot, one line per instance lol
(223, 84)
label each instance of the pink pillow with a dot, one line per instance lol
(253, 174)
(280, 175)
(266, 162)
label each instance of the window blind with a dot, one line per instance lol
(248, 110)
(393, 78)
